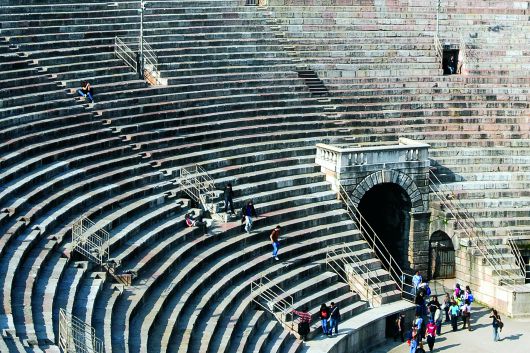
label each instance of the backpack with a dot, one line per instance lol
(470, 298)
(324, 313)
(428, 291)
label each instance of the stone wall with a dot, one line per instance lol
(473, 270)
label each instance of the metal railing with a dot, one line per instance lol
(196, 182)
(462, 53)
(343, 259)
(403, 280)
(488, 247)
(151, 72)
(518, 256)
(89, 241)
(128, 50)
(125, 53)
(438, 47)
(75, 336)
(273, 299)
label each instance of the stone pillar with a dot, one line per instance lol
(419, 241)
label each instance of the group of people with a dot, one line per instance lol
(248, 214)
(430, 313)
(329, 318)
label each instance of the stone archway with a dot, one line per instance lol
(414, 251)
(419, 203)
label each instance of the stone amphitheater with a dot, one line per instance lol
(246, 91)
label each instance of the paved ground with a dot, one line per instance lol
(515, 337)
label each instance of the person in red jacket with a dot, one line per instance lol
(304, 322)
(324, 316)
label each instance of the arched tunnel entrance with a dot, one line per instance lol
(386, 207)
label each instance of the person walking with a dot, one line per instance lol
(250, 214)
(304, 322)
(466, 314)
(457, 291)
(447, 305)
(419, 300)
(414, 339)
(496, 324)
(324, 317)
(433, 306)
(468, 295)
(438, 321)
(453, 313)
(399, 327)
(430, 334)
(416, 281)
(275, 236)
(418, 322)
(334, 318)
(229, 196)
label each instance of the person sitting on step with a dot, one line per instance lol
(86, 91)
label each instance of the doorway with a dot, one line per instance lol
(441, 256)
(386, 207)
(450, 61)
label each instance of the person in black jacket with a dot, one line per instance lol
(249, 212)
(334, 318)
(86, 91)
(399, 327)
(229, 195)
(324, 317)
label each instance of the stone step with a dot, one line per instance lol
(257, 225)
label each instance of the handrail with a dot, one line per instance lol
(90, 241)
(462, 54)
(348, 257)
(401, 278)
(122, 51)
(128, 50)
(438, 47)
(196, 182)
(487, 247)
(276, 299)
(518, 257)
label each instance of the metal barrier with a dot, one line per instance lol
(75, 336)
(196, 182)
(487, 246)
(151, 72)
(518, 257)
(402, 279)
(273, 299)
(438, 47)
(125, 53)
(462, 53)
(343, 260)
(129, 51)
(90, 242)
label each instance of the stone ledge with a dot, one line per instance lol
(356, 334)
